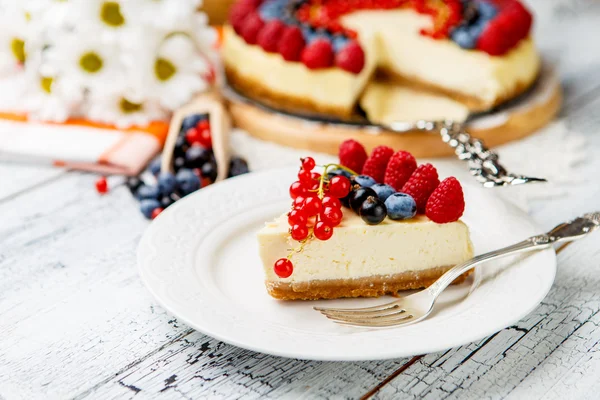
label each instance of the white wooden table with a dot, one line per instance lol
(76, 322)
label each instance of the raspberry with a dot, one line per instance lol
(353, 155)
(351, 58)
(269, 36)
(376, 165)
(446, 203)
(251, 27)
(421, 184)
(318, 54)
(291, 43)
(399, 169)
(504, 32)
(238, 14)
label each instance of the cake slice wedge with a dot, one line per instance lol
(362, 260)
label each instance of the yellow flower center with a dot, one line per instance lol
(18, 49)
(91, 62)
(164, 69)
(110, 14)
(129, 107)
(46, 84)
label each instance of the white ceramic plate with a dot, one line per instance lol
(200, 260)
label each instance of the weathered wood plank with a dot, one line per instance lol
(18, 178)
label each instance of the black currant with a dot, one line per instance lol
(372, 210)
(359, 196)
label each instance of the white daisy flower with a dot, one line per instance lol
(86, 60)
(12, 92)
(116, 109)
(14, 32)
(165, 15)
(178, 72)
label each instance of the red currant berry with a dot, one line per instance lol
(203, 125)
(315, 175)
(323, 231)
(308, 163)
(297, 217)
(299, 202)
(192, 136)
(304, 177)
(205, 139)
(299, 232)
(333, 202)
(297, 189)
(156, 212)
(332, 216)
(339, 186)
(283, 268)
(312, 206)
(102, 185)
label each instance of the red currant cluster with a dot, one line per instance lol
(316, 207)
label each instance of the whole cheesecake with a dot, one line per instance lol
(320, 56)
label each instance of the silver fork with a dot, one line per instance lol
(418, 306)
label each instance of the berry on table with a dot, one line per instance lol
(400, 206)
(166, 201)
(383, 191)
(299, 232)
(156, 212)
(283, 268)
(154, 166)
(192, 136)
(364, 180)
(376, 164)
(359, 196)
(102, 185)
(323, 231)
(196, 156)
(399, 169)
(187, 181)
(205, 138)
(203, 125)
(339, 186)
(209, 171)
(318, 54)
(147, 192)
(147, 206)
(353, 155)
(372, 211)
(134, 183)
(308, 163)
(421, 184)
(166, 183)
(178, 163)
(238, 166)
(447, 202)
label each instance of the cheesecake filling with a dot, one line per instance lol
(357, 250)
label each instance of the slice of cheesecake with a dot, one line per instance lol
(363, 260)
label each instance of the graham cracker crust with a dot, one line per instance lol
(474, 104)
(374, 286)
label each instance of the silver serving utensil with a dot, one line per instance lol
(418, 306)
(483, 163)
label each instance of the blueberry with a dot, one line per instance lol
(134, 183)
(166, 183)
(147, 192)
(181, 146)
(178, 163)
(310, 35)
(238, 166)
(463, 37)
(338, 172)
(154, 166)
(166, 201)
(364, 180)
(339, 42)
(372, 211)
(271, 10)
(383, 191)
(209, 170)
(359, 196)
(487, 10)
(191, 121)
(476, 29)
(147, 206)
(187, 181)
(401, 206)
(196, 156)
